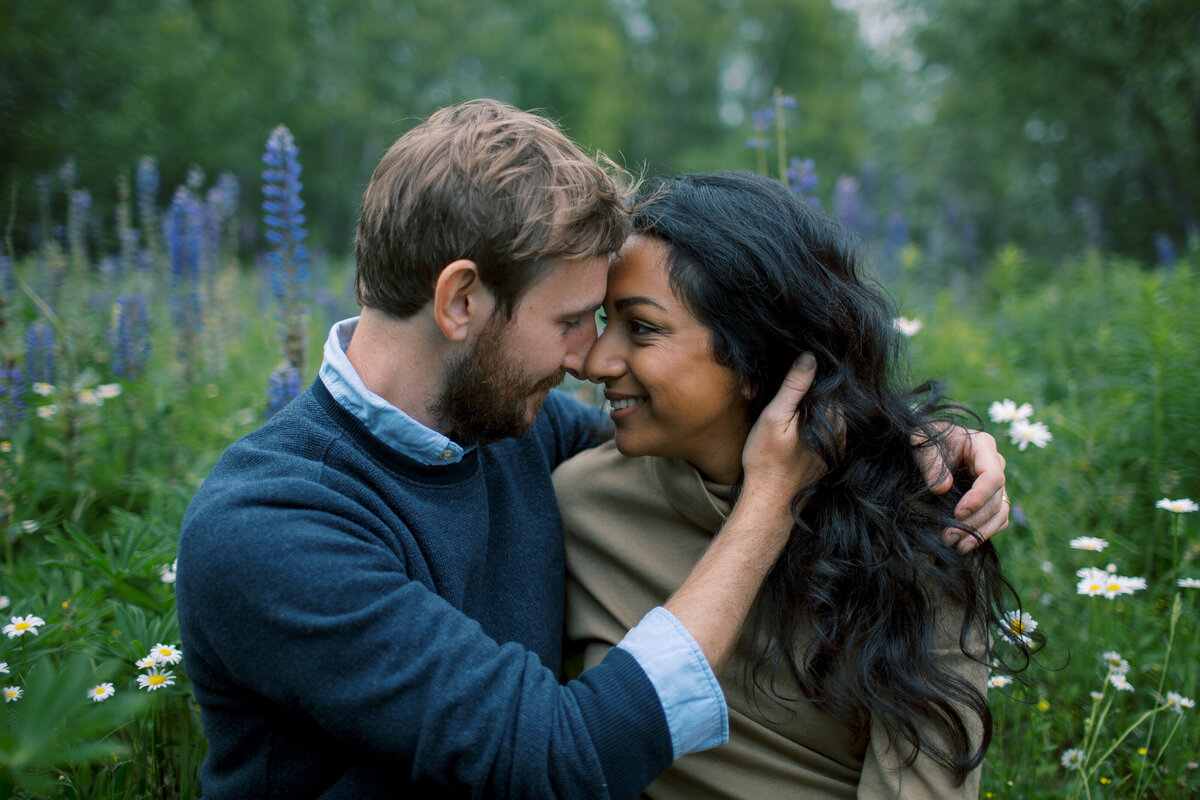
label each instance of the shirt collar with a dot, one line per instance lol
(386, 422)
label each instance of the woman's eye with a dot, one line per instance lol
(641, 328)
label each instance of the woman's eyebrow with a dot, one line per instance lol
(625, 302)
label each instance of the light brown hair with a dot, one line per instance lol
(483, 181)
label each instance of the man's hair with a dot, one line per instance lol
(487, 182)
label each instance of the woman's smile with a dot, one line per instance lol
(667, 394)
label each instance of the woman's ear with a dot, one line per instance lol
(460, 300)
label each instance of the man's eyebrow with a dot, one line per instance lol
(580, 312)
(637, 300)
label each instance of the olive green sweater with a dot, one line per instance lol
(634, 528)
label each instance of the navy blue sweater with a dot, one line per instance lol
(358, 625)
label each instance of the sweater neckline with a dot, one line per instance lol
(700, 501)
(386, 456)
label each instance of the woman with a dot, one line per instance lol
(863, 670)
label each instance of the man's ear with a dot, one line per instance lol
(460, 300)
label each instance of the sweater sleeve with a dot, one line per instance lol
(303, 608)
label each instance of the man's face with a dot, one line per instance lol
(496, 388)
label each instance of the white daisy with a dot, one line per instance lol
(1091, 581)
(109, 390)
(4, 602)
(149, 662)
(1088, 543)
(1188, 583)
(908, 327)
(30, 526)
(90, 398)
(3, 667)
(43, 389)
(1023, 434)
(1096, 695)
(12, 693)
(1179, 702)
(1016, 627)
(1180, 506)
(23, 625)
(1120, 681)
(165, 654)
(1073, 758)
(156, 679)
(999, 681)
(168, 571)
(101, 692)
(47, 412)
(1115, 662)
(1007, 411)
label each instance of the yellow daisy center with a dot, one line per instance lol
(22, 626)
(1114, 587)
(1017, 627)
(157, 680)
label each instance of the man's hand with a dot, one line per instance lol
(985, 506)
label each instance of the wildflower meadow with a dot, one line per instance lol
(134, 349)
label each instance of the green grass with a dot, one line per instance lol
(1107, 352)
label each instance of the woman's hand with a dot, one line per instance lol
(985, 506)
(775, 461)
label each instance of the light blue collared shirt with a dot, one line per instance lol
(691, 697)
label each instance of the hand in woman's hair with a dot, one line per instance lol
(985, 506)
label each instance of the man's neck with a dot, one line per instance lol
(399, 360)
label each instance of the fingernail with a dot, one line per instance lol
(968, 545)
(806, 361)
(950, 538)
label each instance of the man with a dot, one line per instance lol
(370, 586)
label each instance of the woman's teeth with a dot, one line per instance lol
(617, 405)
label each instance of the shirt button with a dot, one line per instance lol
(446, 455)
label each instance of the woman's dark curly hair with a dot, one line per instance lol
(854, 604)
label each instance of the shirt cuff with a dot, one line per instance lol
(691, 697)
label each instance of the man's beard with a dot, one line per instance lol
(484, 392)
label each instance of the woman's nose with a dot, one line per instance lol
(604, 362)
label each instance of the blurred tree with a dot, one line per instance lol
(204, 82)
(1052, 118)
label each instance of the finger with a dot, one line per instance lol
(989, 520)
(933, 466)
(795, 385)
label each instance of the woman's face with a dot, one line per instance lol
(669, 396)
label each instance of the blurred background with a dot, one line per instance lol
(1026, 172)
(971, 123)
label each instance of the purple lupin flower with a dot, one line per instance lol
(128, 237)
(846, 205)
(130, 336)
(186, 224)
(77, 223)
(12, 399)
(802, 179)
(146, 188)
(1164, 250)
(895, 235)
(283, 386)
(40, 352)
(288, 258)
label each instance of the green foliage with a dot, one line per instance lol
(199, 81)
(1038, 104)
(1107, 354)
